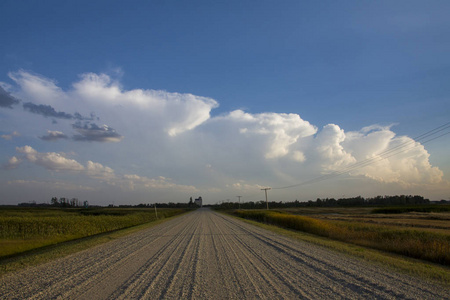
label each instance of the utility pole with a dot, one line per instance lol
(267, 202)
(239, 201)
(156, 212)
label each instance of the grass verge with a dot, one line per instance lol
(414, 267)
(47, 253)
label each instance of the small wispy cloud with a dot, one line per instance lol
(53, 136)
(49, 185)
(60, 162)
(98, 171)
(9, 136)
(12, 163)
(133, 181)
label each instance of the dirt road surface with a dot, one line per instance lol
(206, 255)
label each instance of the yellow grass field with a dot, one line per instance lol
(414, 234)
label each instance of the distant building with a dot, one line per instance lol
(198, 201)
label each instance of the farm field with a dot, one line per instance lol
(413, 219)
(422, 235)
(25, 229)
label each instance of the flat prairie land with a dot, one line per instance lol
(429, 221)
(400, 230)
(24, 229)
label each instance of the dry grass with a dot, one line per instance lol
(432, 221)
(412, 242)
(428, 271)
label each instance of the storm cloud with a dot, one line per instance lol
(49, 111)
(91, 132)
(46, 111)
(6, 100)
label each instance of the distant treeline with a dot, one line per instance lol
(61, 202)
(330, 202)
(74, 202)
(162, 205)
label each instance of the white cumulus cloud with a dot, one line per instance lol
(51, 160)
(377, 153)
(174, 112)
(155, 132)
(37, 88)
(279, 130)
(332, 154)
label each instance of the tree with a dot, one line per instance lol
(54, 201)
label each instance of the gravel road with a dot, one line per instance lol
(206, 255)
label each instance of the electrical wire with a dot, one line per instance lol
(403, 147)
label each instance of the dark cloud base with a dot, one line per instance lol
(53, 136)
(91, 132)
(48, 111)
(6, 100)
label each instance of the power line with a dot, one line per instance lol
(403, 147)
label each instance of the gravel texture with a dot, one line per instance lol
(206, 255)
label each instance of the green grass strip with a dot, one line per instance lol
(47, 253)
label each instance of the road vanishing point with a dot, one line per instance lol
(207, 255)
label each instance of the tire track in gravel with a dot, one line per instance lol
(280, 257)
(217, 261)
(295, 274)
(239, 268)
(81, 270)
(320, 267)
(156, 269)
(324, 272)
(206, 255)
(132, 259)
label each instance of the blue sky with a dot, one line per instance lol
(221, 98)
